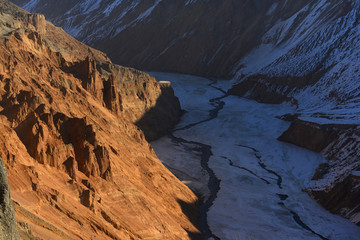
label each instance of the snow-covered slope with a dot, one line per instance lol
(202, 37)
(313, 57)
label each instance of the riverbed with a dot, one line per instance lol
(226, 150)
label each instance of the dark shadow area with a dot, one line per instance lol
(163, 116)
(192, 211)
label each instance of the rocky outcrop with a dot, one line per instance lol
(151, 105)
(8, 228)
(337, 185)
(163, 116)
(78, 166)
(305, 59)
(267, 90)
(37, 22)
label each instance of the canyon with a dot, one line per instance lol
(305, 59)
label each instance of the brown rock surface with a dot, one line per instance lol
(337, 189)
(78, 167)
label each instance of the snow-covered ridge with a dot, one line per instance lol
(147, 33)
(80, 17)
(320, 42)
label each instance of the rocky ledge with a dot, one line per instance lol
(336, 183)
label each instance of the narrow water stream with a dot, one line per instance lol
(282, 197)
(252, 182)
(214, 182)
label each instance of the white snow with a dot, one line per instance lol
(146, 13)
(313, 39)
(188, 2)
(111, 7)
(30, 5)
(189, 172)
(272, 8)
(246, 206)
(93, 14)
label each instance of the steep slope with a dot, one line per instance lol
(310, 59)
(77, 165)
(304, 52)
(199, 37)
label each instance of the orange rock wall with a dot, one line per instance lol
(77, 165)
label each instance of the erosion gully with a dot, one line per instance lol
(214, 182)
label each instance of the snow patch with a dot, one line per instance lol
(272, 9)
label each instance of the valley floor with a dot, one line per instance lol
(256, 182)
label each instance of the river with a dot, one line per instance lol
(225, 150)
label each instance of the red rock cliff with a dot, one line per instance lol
(77, 165)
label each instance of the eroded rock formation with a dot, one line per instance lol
(337, 185)
(78, 166)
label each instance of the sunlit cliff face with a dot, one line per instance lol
(77, 165)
